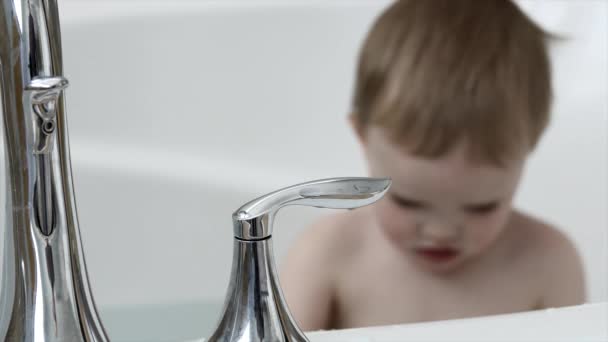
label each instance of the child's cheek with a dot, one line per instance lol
(397, 224)
(485, 229)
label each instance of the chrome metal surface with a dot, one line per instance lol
(254, 219)
(254, 309)
(45, 294)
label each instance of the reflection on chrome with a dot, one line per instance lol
(45, 290)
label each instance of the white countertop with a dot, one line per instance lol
(194, 320)
(579, 323)
(584, 323)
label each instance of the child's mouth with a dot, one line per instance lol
(437, 254)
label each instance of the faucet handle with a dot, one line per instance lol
(255, 309)
(253, 221)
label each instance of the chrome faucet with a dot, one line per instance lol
(45, 292)
(254, 310)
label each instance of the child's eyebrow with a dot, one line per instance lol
(482, 206)
(407, 202)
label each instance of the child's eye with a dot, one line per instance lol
(484, 208)
(407, 203)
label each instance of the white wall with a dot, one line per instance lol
(179, 117)
(566, 180)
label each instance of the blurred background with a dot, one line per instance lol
(181, 111)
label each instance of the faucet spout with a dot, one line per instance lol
(45, 294)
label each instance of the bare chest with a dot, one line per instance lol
(382, 295)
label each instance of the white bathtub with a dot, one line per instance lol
(181, 111)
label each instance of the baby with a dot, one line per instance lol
(450, 99)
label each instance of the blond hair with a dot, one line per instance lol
(437, 72)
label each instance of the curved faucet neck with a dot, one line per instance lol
(45, 295)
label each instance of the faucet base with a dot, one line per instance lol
(255, 310)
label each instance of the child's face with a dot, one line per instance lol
(440, 212)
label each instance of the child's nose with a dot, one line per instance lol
(441, 231)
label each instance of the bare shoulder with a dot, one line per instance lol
(553, 257)
(333, 236)
(310, 272)
(541, 239)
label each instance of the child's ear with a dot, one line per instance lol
(357, 128)
(359, 131)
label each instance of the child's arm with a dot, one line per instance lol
(307, 278)
(564, 276)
